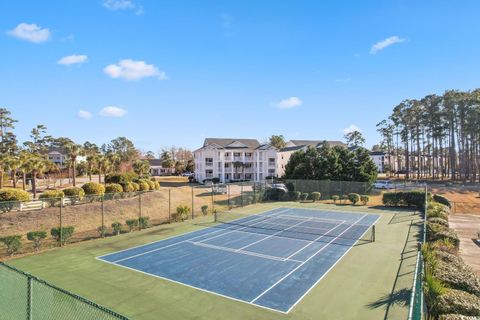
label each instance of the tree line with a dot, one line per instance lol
(437, 136)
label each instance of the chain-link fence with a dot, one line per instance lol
(23, 296)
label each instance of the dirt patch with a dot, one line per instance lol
(464, 200)
(467, 226)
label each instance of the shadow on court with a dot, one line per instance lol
(399, 296)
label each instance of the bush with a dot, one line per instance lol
(440, 221)
(405, 198)
(132, 224)
(52, 197)
(143, 185)
(459, 302)
(335, 198)
(151, 184)
(444, 245)
(315, 196)
(62, 235)
(453, 272)
(136, 186)
(113, 188)
(127, 187)
(102, 231)
(215, 180)
(117, 228)
(304, 196)
(74, 193)
(121, 178)
(437, 231)
(290, 186)
(441, 199)
(143, 222)
(156, 185)
(354, 198)
(9, 196)
(182, 212)
(274, 194)
(93, 188)
(364, 199)
(437, 210)
(37, 237)
(204, 210)
(456, 317)
(13, 243)
(294, 195)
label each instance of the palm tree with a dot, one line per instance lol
(104, 166)
(13, 165)
(141, 167)
(73, 151)
(36, 166)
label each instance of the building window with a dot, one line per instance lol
(209, 162)
(227, 165)
(209, 173)
(271, 172)
(248, 165)
(271, 161)
(227, 154)
(236, 154)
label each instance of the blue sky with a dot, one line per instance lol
(174, 72)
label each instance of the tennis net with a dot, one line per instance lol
(298, 227)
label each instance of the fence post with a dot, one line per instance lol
(193, 208)
(103, 215)
(29, 298)
(169, 205)
(241, 193)
(228, 199)
(139, 206)
(213, 200)
(254, 193)
(61, 224)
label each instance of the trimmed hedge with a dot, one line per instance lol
(453, 272)
(364, 198)
(127, 187)
(437, 231)
(10, 194)
(93, 188)
(113, 188)
(121, 178)
(52, 194)
(437, 210)
(459, 302)
(13, 243)
(335, 198)
(65, 232)
(440, 221)
(37, 237)
(74, 192)
(405, 198)
(304, 196)
(143, 185)
(315, 196)
(354, 198)
(441, 199)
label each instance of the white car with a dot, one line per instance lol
(279, 186)
(384, 184)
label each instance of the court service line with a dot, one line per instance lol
(177, 243)
(303, 263)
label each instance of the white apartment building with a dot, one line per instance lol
(235, 159)
(59, 156)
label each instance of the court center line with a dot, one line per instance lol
(177, 243)
(303, 263)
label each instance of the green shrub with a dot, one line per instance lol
(364, 199)
(437, 231)
(121, 178)
(290, 186)
(113, 188)
(304, 196)
(151, 184)
(182, 212)
(294, 195)
(156, 184)
(441, 199)
(456, 317)
(62, 235)
(335, 198)
(444, 245)
(52, 197)
(136, 186)
(315, 196)
(437, 210)
(143, 185)
(117, 228)
(459, 302)
(405, 198)
(13, 243)
(215, 180)
(440, 221)
(453, 272)
(274, 194)
(8, 198)
(102, 231)
(127, 187)
(354, 198)
(204, 210)
(37, 238)
(132, 224)
(74, 193)
(93, 188)
(143, 222)
(433, 289)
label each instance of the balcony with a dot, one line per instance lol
(238, 159)
(208, 164)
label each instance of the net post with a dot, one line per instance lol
(29, 298)
(213, 200)
(193, 208)
(103, 215)
(215, 216)
(373, 233)
(228, 200)
(139, 208)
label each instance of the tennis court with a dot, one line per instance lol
(271, 260)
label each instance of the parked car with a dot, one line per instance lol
(384, 184)
(187, 174)
(279, 186)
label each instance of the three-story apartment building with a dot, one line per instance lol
(235, 160)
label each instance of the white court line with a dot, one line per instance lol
(248, 253)
(303, 263)
(270, 236)
(233, 230)
(289, 216)
(326, 272)
(314, 241)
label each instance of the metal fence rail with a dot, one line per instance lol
(23, 296)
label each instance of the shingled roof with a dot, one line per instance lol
(315, 143)
(232, 143)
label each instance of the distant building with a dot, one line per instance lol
(60, 157)
(235, 160)
(156, 168)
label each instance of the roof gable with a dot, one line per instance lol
(232, 143)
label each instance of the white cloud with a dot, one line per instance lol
(128, 69)
(73, 59)
(84, 114)
(116, 5)
(289, 103)
(385, 43)
(113, 112)
(30, 32)
(351, 128)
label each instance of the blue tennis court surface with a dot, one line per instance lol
(271, 260)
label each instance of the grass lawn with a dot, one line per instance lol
(372, 281)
